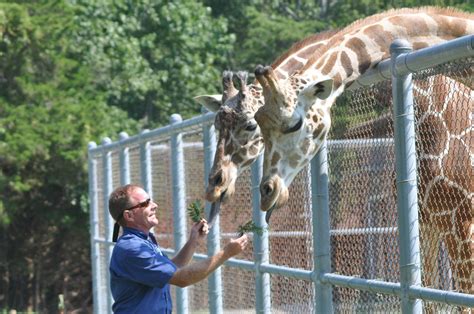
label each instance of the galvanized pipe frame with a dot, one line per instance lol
(179, 203)
(418, 60)
(214, 236)
(409, 290)
(94, 230)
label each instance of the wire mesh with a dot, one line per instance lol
(291, 295)
(444, 106)
(162, 192)
(363, 194)
(357, 301)
(364, 235)
(134, 160)
(238, 290)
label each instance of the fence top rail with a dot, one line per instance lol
(418, 60)
(146, 135)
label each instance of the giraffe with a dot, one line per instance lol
(446, 171)
(296, 116)
(239, 138)
(444, 136)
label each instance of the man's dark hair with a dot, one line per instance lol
(119, 200)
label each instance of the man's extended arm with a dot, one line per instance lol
(198, 271)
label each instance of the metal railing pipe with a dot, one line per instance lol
(321, 232)
(260, 244)
(145, 164)
(179, 205)
(421, 59)
(405, 165)
(109, 223)
(155, 134)
(302, 274)
(213, 238)
(124, 161)
(371, 285)
(97, 283)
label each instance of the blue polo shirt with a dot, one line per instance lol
(139, 274)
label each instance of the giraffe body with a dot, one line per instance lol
(296, 119)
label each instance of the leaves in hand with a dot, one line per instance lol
(250, 226)
(195, 211)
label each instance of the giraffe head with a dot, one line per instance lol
(239, 140)
(294, 122)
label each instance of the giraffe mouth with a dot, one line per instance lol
(215, 209)
(269, 214)
(274, 195)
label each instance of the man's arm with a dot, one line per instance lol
(198, 271)
(197, 234)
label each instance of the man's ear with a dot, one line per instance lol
(211, 102)
(127, 216)
(320, 89)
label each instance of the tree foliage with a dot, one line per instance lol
(152, 57)
(49, 112)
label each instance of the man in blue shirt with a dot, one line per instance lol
(140, 274)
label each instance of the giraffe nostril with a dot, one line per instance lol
(267, 189)
(218, 179)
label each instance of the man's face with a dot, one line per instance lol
(143, 217)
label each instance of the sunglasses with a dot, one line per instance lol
(139, 205)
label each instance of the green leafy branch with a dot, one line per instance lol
(250, 226)
(195, 211)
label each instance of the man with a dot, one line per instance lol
(140, 274)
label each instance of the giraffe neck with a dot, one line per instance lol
(364, 44)
(300, 53)
(289, 62)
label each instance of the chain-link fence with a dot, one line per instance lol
(383, 256)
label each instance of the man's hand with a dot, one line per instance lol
(236, 246)
(199, 230)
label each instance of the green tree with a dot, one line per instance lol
(266, 28)
(49, 110)
(271, 34)
(152, 57)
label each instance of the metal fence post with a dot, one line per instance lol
(407, 200)
(213, 238)
(97, 284)
(145, 165)
(108, 187)
(260, 243)
(124, 161)
(179, 205)
(321, 226)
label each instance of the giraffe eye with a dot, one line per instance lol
(294, 128)
(251, 127)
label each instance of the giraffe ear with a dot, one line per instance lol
(211, 102)
(321, 89)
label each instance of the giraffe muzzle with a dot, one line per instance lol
(274, 195)
(221, 185)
